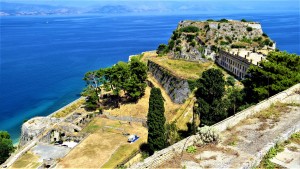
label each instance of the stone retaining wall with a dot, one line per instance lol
(161, 156)
(177, 88)
(126, 118)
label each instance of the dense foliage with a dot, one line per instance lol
(156, 121)
(6, 146)
(190, 29)
(162, 49)
(127, 77)
(210, 92)
(280, 71)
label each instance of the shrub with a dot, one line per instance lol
(224, 43)
(193, 43)
(191, 29)
(178, 48)
(265, 35)
(249, 29)
(230, 80)
(244, 20)
(208, 135)
(191, 149)
(223, 20)
(209, 20)
(171, 44)
(190, 37)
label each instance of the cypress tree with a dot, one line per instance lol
(156, 121)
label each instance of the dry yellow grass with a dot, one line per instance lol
(139, 109)
(69, 109)
(170, 107)
(100, 146)
(28, 160)
(182, 68)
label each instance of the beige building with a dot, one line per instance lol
(237, 61)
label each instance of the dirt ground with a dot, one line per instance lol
(100, 145)
(139, 109)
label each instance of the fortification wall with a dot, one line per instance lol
(163, 155)
(177, 88)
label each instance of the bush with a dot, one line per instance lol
(224, 43)
(223, 20)
(230, 80)
(237, 46)
(161, 49)
(191, 29)
(191, 149)
(207, 135)
(178, 48)
(265, 35)
(209, 20)
(193, 43)
(244, 20)
(249, 29)
(171, 44)
(190, 38)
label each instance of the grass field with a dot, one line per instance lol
(182, 68)
(103, 144)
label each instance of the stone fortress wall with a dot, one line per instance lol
(161, 156)
(177, 88)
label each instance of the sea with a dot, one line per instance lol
(43, 58)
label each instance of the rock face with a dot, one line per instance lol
(34, 127)
(176, 88)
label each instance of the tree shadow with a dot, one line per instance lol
(186, 133)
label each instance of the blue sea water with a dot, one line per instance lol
(43, 58)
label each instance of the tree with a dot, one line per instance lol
(211, 107)
(135, 85)
(127, 77)
(93, 81)
(6, 146)
(211, 85)
(277, 73)
(230, 80)
(235, 99)
(172, 134)
(156, 121)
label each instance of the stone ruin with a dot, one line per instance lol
(51, 129)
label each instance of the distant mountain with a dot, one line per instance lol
(33, 9)
(141, 7)
(111, 9)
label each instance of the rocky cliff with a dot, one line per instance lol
(200, 40)
(177, 88)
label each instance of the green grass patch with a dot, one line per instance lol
(295, 138)
(266, 163)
